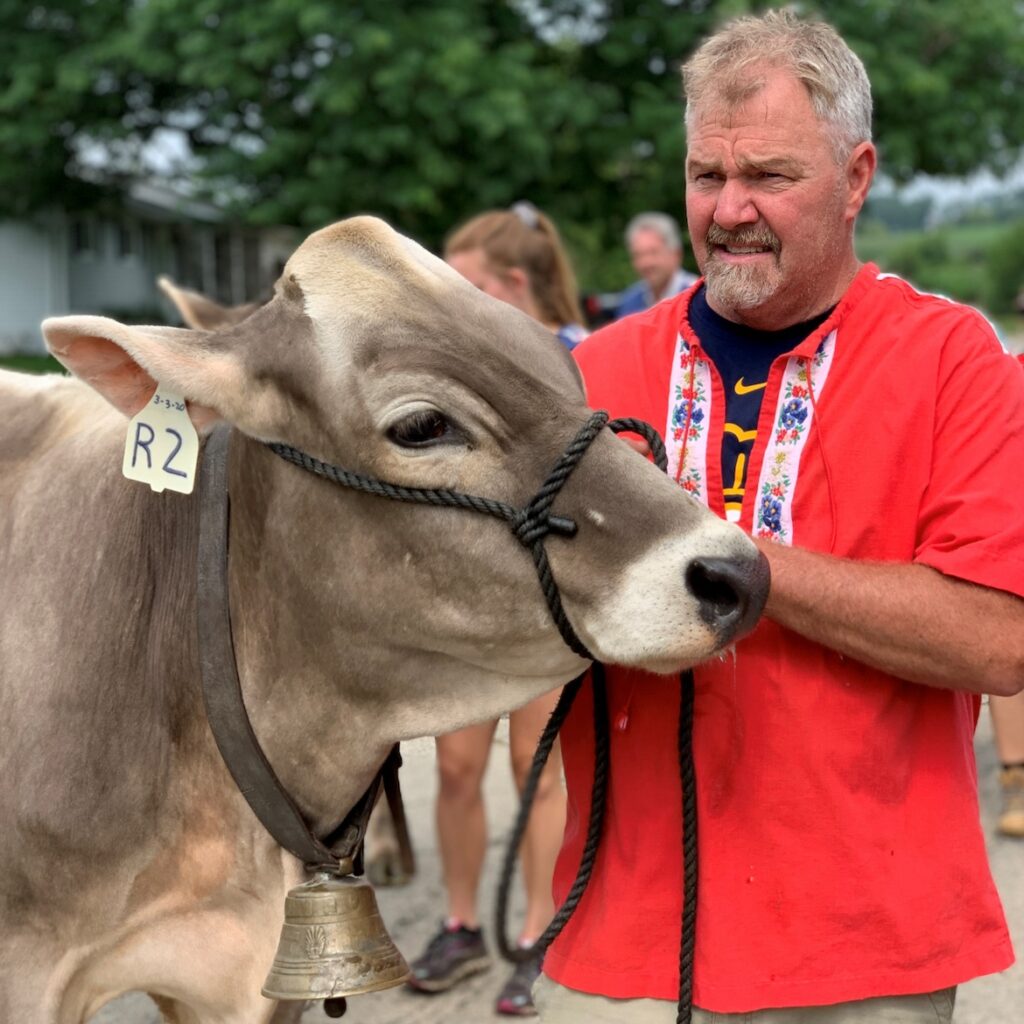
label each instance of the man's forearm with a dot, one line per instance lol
(908, 620)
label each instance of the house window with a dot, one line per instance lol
(187, 257)
(251, 263)
(222, 256)
(150, 246)
(125, 239)
(83, 236)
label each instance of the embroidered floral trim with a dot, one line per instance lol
(774, 496)
(793, 416)
(689, 412)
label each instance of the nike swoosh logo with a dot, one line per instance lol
(745, 389)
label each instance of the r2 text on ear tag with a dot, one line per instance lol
(162, 447)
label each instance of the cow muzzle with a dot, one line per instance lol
(730, 593)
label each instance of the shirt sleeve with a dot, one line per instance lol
(971, 522)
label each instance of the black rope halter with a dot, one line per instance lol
(531, 525)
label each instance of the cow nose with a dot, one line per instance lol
(731, 592)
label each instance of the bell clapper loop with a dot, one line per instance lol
(341, 868)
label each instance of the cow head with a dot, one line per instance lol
(376, 356)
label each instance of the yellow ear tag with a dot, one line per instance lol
(162, 447)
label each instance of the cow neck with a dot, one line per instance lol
(305, 670)
(225, 704)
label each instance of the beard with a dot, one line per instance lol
(741, 286)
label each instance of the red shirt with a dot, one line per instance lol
(841, 855)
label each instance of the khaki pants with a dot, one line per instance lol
(559, 1005)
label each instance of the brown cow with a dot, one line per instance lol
(128, 858)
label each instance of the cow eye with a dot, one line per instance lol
(421, 429)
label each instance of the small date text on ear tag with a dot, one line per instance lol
(162, 447)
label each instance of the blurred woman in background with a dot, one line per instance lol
(517, 256)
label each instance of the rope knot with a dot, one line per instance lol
(534, 523)
(530, 525)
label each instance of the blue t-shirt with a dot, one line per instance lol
(638, 296)
(743, 356)
(570, 335)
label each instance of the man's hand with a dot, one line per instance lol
(907, 620)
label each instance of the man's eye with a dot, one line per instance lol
(422, 428)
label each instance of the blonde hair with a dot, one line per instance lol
(725, 68)
(524, 238)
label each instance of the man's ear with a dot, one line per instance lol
(860, 171)
(124, 364)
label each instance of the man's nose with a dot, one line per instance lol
(735, 206)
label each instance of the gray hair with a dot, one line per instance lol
(660, 223)
(725, 68)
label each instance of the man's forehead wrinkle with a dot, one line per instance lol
(746, 153)
(748, 109)
(765, 132)
(767, 159)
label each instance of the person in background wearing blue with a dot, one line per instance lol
(656, 251)
(516, 256)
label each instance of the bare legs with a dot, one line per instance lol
(1008, 728)
(543, 838)
(461, 818)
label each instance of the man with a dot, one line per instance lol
(656, 252)
(870, 438)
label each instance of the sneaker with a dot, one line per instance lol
(452, 954)
(1011, 821)
(516, 998)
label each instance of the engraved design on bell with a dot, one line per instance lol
(333, 943)
(316, 942)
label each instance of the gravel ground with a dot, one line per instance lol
(412, 913)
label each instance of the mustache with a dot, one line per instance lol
(744, 238)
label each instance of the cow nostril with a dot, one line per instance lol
(730, 592)
(713, 582)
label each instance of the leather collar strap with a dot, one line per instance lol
(222, 690)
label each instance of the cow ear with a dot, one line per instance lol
(124, 364)
(204, 314)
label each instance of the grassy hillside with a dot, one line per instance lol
(982, 264)
(31, 364)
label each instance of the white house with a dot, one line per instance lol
(58, 262)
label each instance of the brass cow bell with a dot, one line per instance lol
(333, 943)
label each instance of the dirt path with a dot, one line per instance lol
(412, 913)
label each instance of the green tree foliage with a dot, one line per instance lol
(1005, 267)
(929, 261)
(946, 78)
(52, 90)
(301, 111)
